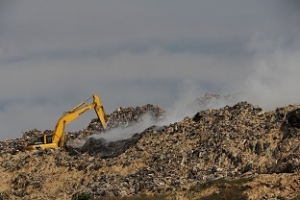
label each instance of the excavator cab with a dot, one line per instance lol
(45, 139)
(40, 140)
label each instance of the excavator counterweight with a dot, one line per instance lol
(58, 138)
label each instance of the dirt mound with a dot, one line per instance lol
(239, 149)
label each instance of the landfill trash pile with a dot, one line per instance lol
(104, 149)
(124, 117)
(232, 143)
(119, 118)
(208, 98)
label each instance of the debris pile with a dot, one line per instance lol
(293, 118)
(119, 118)
(124, 117)
(104, 149)
(232, 143)
(208, 98)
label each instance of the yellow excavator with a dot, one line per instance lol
(58, 138)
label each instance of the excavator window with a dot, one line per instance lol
(38, 141)
(49, 139)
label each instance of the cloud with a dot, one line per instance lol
(35, 26)
(54, 54)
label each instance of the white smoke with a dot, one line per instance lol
(184, 106)
(127, 132)
(273, 80)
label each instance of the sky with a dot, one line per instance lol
(55, 54)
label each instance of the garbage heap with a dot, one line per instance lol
(209, 98)
(227, 138)
(215, 143)
(232, 142)
(122, 117)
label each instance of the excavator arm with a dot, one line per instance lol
(58, 137)
(75, 113)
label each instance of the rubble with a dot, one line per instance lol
(104, 149)
(293, 117)
(230, 143)
(125, 117)
(208, 98)
(119, 118)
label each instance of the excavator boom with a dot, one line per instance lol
(58, 138)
